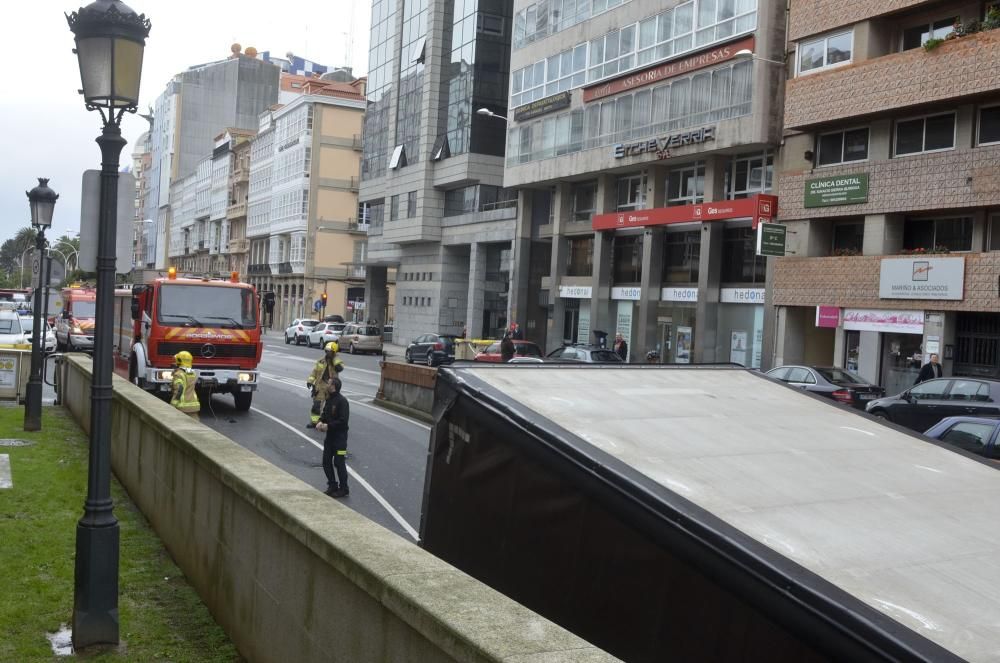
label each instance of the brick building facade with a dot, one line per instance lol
(887, 184)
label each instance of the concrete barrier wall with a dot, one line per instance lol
(292, 575)
(408, 385)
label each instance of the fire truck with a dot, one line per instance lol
(216, 320)
(74, 323)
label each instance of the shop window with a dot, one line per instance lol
(940, 235)
(748, 174)
(631, 192)
(740, 262)
(848, 238)
(580, 256)
(842, 147)
(825, 52)
(681, 254)
(918, 35)
(686, 185)
(989, 125)
(584, 200)
(627, 259)
(994, 233)
(925, 134)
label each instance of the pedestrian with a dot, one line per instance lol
(334, 422)
(506, 349)
(183, 384)
(464, 332)
(319, 380)
(930, 370)
(621, 347)
(517, 334)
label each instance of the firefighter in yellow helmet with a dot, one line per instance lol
(319, 380)
(184, 396)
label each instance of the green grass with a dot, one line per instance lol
(162, 618)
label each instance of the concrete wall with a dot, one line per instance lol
(411, 387)
(292, 575)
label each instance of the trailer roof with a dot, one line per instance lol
(902, 524)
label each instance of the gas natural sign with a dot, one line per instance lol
(761, 207)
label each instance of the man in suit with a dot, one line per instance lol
(930, 370)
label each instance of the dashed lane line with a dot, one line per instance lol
(354, 475)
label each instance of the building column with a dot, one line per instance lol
(715, 179)
(706, 322)
(656, 187)
(559, 254)
(376, 293)
(883, 234)
(520, 295)
(649, 304)
(601, 317)
(476, 299)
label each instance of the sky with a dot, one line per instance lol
(45, 131)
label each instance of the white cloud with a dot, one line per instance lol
(46, 132)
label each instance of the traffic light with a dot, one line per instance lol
(323, 297)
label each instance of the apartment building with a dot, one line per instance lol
(142, 159)
(888, 179)
(641, 141)
(432, 168)
(303, 232)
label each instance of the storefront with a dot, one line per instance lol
(576, 314)
(886, 347)
(741, 325)
(676, 323)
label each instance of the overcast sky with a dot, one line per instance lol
(45, 130)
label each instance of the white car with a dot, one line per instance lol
(299, 330)
(27, 324)
(10, 328)
(325, 332)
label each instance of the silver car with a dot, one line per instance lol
(360, 337)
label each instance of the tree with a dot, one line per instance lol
(11, 252)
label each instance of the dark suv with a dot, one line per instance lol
(431, 349)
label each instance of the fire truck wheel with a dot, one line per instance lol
(243, 400)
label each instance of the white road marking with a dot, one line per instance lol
(313, 361)
(858, 430)
(929, 469)
(354, 475)
(298, 385)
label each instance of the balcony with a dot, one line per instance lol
(259, 269)
(853, 282)
(349, 225)
(239, 245)
(358, 142)
(355, 183)
(355, 271)
(958, 68)
(237, 211)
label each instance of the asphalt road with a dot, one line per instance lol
(386, 452)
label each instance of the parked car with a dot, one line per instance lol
(325, 332)
(521, 349)
(334, 318)
(431, 349)
(975, 434)
(10, 328)
(836, 383)
(49, 341)
(299, 330)
(361, 337)
(927, 403)
(588, 354)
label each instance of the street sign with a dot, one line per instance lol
(771, 239)
(90, 221)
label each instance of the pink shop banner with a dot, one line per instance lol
(827, 316)
(901, 322)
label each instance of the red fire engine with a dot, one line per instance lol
(215, 320)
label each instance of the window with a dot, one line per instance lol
(580, 256)
(989, 125)
(825, 52)
(686, 185)
(411, 204)
(969, 390)
(971, 436)
(800, 375)
(848, 238)
(584, 201)
(394, 208)
(925, 134)
(932, 390)
(398, 159)
(748, 174)
(681, 254)
(631, 192)
(627, 257)
(842, 147)
(740, 262)
(953, 234)
(918, 35)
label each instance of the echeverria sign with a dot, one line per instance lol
(666, 70)
(661, 145)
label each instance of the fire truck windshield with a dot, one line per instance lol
(207, 306)
(84, 308)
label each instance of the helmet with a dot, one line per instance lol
(332, 347)
(184, 358)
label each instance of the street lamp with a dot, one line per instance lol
(487, 112)
(42, 201)
(747, 53)
(110, 40)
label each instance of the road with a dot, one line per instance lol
(386, 452)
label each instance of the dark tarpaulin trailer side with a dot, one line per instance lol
(584, 539)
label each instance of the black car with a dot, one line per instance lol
(587, 354)
(431, 349)
(836, 383)
(975, 434)
(927, 403)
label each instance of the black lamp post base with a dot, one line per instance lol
(95, 610)
(33, 406)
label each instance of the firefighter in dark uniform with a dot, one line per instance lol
(334, 422)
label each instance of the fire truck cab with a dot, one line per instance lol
(75, 322)
(215, 320)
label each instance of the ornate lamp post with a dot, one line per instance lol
(110, 40)
(42, 200)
